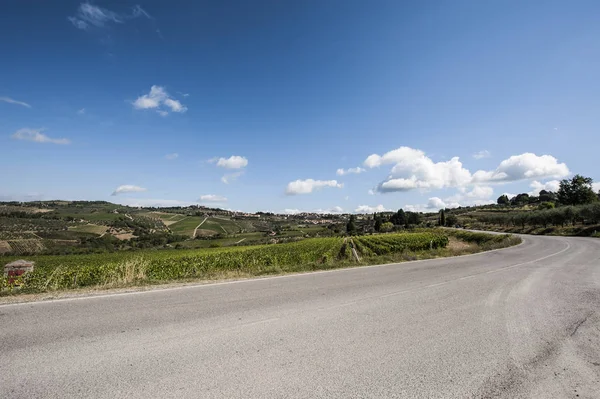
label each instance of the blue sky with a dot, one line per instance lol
(256, 105)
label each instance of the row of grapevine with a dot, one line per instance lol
(394, 243)
(60, 272)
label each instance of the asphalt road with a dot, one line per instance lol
(519, 322)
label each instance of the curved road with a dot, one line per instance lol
(519, 322)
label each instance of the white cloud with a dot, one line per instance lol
(596, 187)
(309, 185)
(357, 170)
(552, 185)
(81, 111)
(371, 192)
(128, 188)
(212, 198)
(233, 162)
(149, 202)
(89, 15)
(288, 211)
(482, 154)
(159, 100)
(434, 204)
(480, 192)
(37, 136)
(12, 101)
(175, 105)
(231, 177)
(294, 211)
(172, 156)
(524, 166)
(371, 209)
(414, 170)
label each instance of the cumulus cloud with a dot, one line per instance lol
(552, 185)
(128, 188)
(172, 156)
(357, 170)
(412, 169)
(89, 15)
(37, 136)
(212, 198)
(524, 166)
(12, 101)
(159, 100)
(309, 185)
(233, 162)
(371, 209)
(482, 154)
(596, 187)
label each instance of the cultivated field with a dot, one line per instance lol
(113, 269)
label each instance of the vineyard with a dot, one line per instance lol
(61, 272)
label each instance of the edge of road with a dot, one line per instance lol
(74, 295)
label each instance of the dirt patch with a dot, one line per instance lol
(5, 247)
(205, 232)
(124, 236)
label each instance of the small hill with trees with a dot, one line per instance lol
(573, 210)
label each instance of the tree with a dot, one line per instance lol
(577, 191)
(547, 196)
(378, 222)
(399, 218)
(413, 218)
(451, 220)
(351, 225)
(546, 205)
(442, 218)
(520, 199)
(387, 226)
(503, 200)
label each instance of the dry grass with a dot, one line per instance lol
(129, 272)
(5, 247)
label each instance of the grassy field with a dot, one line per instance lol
(89, 228)
(151, 266)
(187, 225)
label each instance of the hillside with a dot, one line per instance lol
(65, 227)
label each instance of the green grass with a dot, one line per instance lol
(89, 228)
(187, 225)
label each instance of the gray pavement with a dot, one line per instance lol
(519, 322)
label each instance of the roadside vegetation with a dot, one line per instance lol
(573, 210)
(119, 269)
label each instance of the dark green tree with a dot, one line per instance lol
(451, 220)
(378, 222)
(503, 200)
(442, 218)
(547, 196)
(520, 199)
(399, 218)
(413, 218)
(351, 225)
(577, 191)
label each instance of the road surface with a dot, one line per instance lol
(519, 322)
